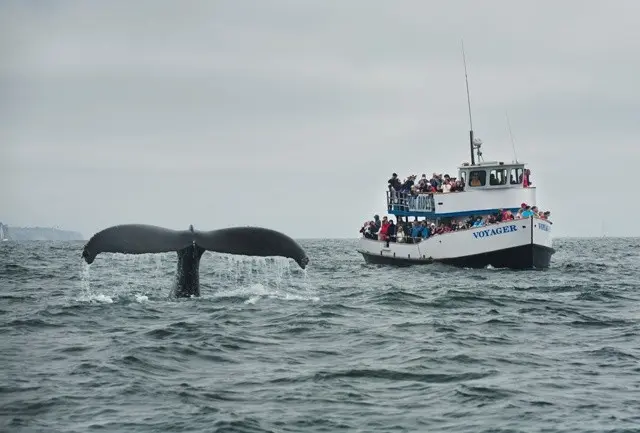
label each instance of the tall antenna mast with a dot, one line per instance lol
(466, 79)
(513, 144)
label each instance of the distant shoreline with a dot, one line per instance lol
(14, 233)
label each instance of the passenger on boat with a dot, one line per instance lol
(427, 229)
(382, 234)
(423, 184)
(416, 232)
(502, 215)
(479, 222)
(525, 178)
(475, 180)
(400, 238)
(407, 186)
(446, 186)
(369, 230)
(419, 231)
(406, 229)
(391, 231)
(394, 183)
(435, 182)
(527, 212)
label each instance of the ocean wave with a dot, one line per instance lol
(342, 346)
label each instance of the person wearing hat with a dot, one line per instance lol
(394, 182)
(376, 222)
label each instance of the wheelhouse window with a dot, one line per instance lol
(515, 178)
(498, 177)
(477, 178)
(463, 177)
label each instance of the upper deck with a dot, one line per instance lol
(488, 187)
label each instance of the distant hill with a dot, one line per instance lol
(38, 234)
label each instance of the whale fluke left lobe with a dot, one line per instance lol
(135, 239)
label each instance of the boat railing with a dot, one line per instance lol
(406, 202)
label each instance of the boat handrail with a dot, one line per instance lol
(402, 201)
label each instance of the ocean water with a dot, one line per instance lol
(344, 346)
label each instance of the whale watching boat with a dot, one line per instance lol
(493, 221)
(487, 216)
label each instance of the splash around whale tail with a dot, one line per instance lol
(144, 239)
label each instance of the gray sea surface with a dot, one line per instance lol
(343, 346)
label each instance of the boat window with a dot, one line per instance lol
(463, 177)
(516, 176)
(477, 178)
(498, 177)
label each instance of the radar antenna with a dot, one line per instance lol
(474, 143)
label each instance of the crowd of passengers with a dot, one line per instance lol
(414, 231)
(437, 183)
(445, 184)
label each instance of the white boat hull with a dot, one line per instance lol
(518, 244)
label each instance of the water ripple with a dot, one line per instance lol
(345, 346)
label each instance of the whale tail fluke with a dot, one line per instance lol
(190, 245)
(144, 239)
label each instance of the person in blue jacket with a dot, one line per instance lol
(527, 212)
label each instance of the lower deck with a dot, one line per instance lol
(519, 243)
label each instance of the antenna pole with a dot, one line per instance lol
(513, 144)
(466, 79)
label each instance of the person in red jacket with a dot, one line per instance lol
(384, 228)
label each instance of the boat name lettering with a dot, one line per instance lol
(497, 231)
(544, 227)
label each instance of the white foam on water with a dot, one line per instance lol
(136, 277)
(116, 276)
(141, 298)
(95, 298)
(256, 292)
(255, 278)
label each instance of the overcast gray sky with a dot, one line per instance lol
(293, 114)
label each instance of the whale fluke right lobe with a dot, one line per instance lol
(252, 241)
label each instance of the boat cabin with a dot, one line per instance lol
(490, 175)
